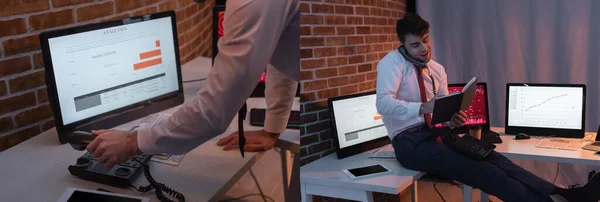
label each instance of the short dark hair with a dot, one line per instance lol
(411, 24)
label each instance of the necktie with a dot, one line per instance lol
(241, 118)
(424, 97)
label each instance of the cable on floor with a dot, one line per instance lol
(438, 192)
(557, 169)
(248, 195)
(258, 186)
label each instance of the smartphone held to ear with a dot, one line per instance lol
(367, 171)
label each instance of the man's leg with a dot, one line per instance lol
(418, 153)
(516, 172)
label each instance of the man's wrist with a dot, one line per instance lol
(135, 149)
(275, 136)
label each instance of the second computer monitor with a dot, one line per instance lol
(478, 113)
(546, 109)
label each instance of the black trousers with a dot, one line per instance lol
(497, 175)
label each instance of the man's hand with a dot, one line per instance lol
(459, 119)
(112, 147)
(427, 107)
(255, 140)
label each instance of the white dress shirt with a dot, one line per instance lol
(398, 94)
(258, 33)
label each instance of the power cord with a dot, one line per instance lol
(248, 195)
(258, 185)
(195, 80)
(158, 187)
(438, 192)
(557, 169)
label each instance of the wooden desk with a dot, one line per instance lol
(36, 170)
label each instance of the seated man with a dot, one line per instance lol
(407, 83)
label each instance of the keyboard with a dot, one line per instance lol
(556, 143)
(594, 146)
(472, 147)
(257, 118)
(385, 152)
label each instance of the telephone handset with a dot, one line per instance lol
(120, 175)
(410, 58)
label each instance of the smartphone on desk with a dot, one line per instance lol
(367, 171)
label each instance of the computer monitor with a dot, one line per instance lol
(478, 112)
(106, 74)
(355, 123)
(545, 109)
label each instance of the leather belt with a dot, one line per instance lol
(413, 129)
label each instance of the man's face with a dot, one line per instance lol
(418, 46)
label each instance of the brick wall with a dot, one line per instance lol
(341, 44)
(24, 107)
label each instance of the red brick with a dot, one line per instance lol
(312, 63)
(345, 30)
(117, 17)
(363, 30)
(373, 57)
(335, 20)
(336, 61)
(371, 76)
(338, 81)
(38, 60)
(356, 40)
(315, 106)
(355, 2)
(335, 1)
(15, 138)
(348, 50)
(12, 27)
(321, 147)
(185, 3)
(21, 45)
(3, 88)
(48, 125)
(27, 81)
(380, 55)
(363, 49)
(356, 59)
(325, 135)
(15, 7)
(370, 21)
(304, 31)
(306, 75)
(326, 73)
(348, 90)
(312, 41)
(190, 11)
(314, 85)
(322, 8)
(333, 41)
(95, 11)
(306, 53)
(353, 20)
(51, 19)
(317, 127)
(33, 115)
(364, 68)
(6, 124)
(310, 139)
(15, 65)
(167, 6)
(377, 47)
(376, 30)
(60, 3)
(324, 52)
(323, 115)
(304, 8)
(42, 95)
(376, 12)
(344, 9)
(347, 70)
(145, 11)
(357, 78)
(311, 20)
(371, 39)
(327, 93)
(367, 86)
(15, 103)
(126, 5)
(382, 21)
(324, 30)
(362, 11)
(308, 97)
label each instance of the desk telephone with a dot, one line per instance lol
(120, 175)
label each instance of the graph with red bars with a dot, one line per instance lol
(476, 113)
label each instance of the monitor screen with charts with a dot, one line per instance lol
(356, 124)
(545, 109)
(128, 62)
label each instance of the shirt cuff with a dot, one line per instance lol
(145, 140)
(276, 123)
(413, 109)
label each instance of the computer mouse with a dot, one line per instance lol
(522, 136)
(80, 139)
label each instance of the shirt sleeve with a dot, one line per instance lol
(389, 78)
(279, 93)
(244, 52)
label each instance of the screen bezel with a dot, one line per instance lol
(120, 115)
(357, 148)
(536, 131)
(486, 126)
